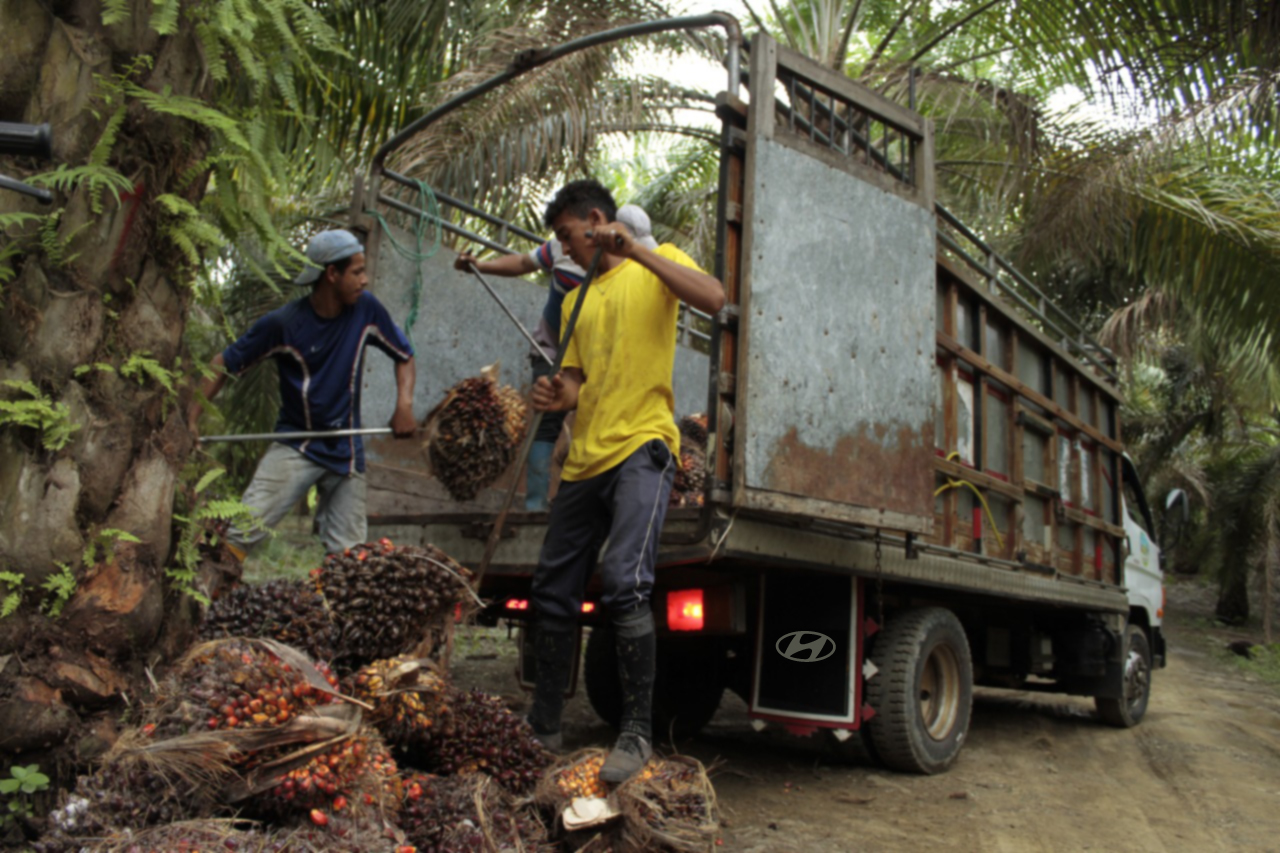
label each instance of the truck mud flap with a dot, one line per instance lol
(808, 648)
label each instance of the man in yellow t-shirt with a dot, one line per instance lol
(617, 479)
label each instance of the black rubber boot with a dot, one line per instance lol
(553, 652)
(637, 659)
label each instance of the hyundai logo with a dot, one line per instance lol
(806, 646)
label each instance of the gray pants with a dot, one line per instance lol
(626, 506)
(283, 478)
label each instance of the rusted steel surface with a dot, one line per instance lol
(839, 339)
(878, 470)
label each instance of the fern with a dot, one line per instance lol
(198, 525)
(226, 509)
(60, 588)
(103, 540)
(8, 220)
(100, 366)
(191, 109)
(52, 419)
(102, 149)
(208, 478)
(13, 596)
(98, 179)
(141, 366)
(115, 12)
(165, 19)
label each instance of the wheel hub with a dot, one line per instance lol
(940, 692)
(1136, 677)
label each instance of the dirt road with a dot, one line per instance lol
(1201, 773)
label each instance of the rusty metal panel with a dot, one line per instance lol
(836, 394)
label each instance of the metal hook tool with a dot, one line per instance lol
(514, 319)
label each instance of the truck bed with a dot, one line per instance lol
(746, 542)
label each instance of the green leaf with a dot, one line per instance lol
(9, 786)
(208, 478)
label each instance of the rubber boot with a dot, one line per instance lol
(537, 480)
(553, 652)
(637, 647)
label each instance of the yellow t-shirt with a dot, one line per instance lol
(625, 344)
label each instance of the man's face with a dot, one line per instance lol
(571, 230)
(352, 281)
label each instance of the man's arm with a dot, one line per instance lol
(694, 287)
(403, 423)
(558, 393)
(208, 390)
(507, 265)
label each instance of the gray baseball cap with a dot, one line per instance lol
(634, 217)
(326, 248)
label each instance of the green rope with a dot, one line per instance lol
(430, 206)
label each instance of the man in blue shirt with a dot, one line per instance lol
(318, 343)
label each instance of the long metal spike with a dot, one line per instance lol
(510, 314)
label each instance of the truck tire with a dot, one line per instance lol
(923, 692)
(1128, 711)
(687, 688)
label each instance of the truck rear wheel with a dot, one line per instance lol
(687, 688)
(923, 692)
(1127, 712)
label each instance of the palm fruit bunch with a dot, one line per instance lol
(121, 794)
(669, 805)
(483, 736)
(349, 778)
(690, 483)
(287, 611)
(408, 698)
(581, 778)
(474, 433)
(460, 813)
(235, 685)
(381, 597)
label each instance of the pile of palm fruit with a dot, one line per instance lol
(473, 435)
(331, 747)
(371, 602)
(690, 483)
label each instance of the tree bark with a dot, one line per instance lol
(99, 285)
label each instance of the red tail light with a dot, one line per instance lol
(523, 604)
(684, 610)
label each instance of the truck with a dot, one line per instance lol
(915, 475)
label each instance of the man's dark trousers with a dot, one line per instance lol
(624, 509)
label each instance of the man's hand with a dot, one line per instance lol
(403, 424)
(547, 391)
(463, 262)
(615, 239)
(558, 393)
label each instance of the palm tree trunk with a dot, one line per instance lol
(103, 285)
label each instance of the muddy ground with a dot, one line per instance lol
(1201, 773)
